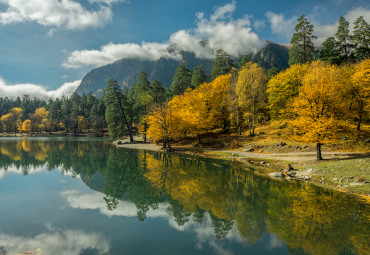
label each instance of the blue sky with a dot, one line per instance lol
(47, 46)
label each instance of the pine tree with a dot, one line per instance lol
(361, 38)
(142, 83)
(302, 49)
(329, 51)
(157, 92)
(343, 40)
(198, 77)
(222, 64)
(272, 72)
(245, 59)
(115, 111)
(181, 80)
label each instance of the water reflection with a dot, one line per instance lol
(214, 199)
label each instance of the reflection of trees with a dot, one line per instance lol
(123, 176)
(181, 217)
(308, 219)
(221, 226)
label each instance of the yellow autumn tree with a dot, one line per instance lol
(316, 106)
(194, 112)
(10, 121)
(38, 117)
(163, 125)
(251, 93)
(27, 126)
(357, 91)
(205, 107)
(282, 88)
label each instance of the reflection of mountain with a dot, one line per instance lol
(190, 191)
(94, 181)
(126, 71)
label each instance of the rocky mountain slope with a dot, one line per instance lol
(125, 71)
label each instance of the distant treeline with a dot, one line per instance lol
(72, 114)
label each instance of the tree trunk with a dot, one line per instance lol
(359, 121)
(169, 146)
(198, 138)
(164, 143)
(145, 128)
(318, 152)
(126, 122)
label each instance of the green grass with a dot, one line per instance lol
(353, 172)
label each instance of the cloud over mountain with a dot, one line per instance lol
(34, 90)
(220, 30)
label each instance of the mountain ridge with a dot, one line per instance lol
(125, 71)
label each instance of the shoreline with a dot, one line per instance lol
(320, 173)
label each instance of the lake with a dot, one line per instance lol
(84, 196)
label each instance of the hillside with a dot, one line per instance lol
(125, 71)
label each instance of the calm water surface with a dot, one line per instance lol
(83, 196)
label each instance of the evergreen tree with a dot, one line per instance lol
(76, 111)
(222, 64)
(302, 49)
(142, 83)
(361, 38)
(343, 40)
(272, 72)
(245, 59)
(115, 111)
(26, 106)
(66, 108)
(181, 80)
(157, 92)
(96, 116)
(198, 77)
(329, 51)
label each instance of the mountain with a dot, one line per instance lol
(273, 55)
(125, 71)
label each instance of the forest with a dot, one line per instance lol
(323, 95)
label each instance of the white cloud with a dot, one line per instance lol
(112, 52)
(284, 27)
(34, 90)
(219, 31)
(109, 2)
(223, 12)
(62, 242)
(13, 169)
(280, 25)
(57, 14)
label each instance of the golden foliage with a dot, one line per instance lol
(316, 106)
(27, 126)
(282, 88)
(251, 92)
(11, 121)
(192, 113)
(38, 117)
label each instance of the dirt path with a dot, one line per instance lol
(297, 157)
(141, 146)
